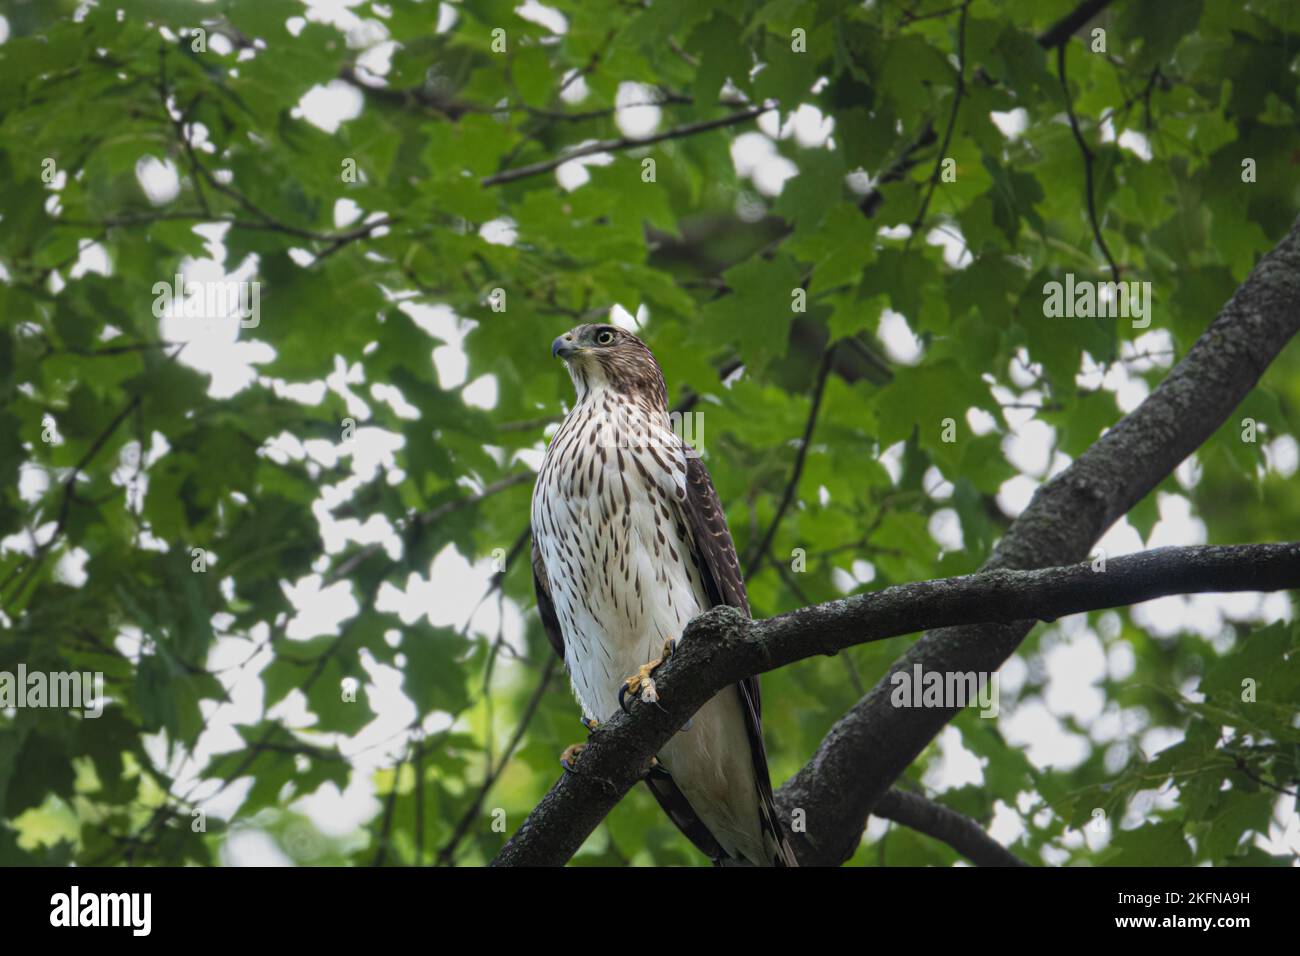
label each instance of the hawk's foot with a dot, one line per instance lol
(569, 758)
(641, 685)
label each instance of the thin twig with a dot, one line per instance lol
(429, 518)
(757, 554)
(624, 142)
(1063, 29)
(447, 854)
(957, 95)
(386, 827)
(1087, 164)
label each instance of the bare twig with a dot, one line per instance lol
(1063, 29)
(958, 92)
(429, 518)
(760, 550)
(1087, 164)
(624, 142)
(448, 853)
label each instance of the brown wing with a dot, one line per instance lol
(545, 606)
(708, 526)
(725, 584)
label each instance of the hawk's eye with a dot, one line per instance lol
(605, 337)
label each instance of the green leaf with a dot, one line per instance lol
(533, 76)
(755, 318)
(1152, 844)
(432, 674)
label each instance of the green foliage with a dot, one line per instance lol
(222, 706)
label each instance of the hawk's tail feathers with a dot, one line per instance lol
(778, 847)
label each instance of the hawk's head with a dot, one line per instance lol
(606, 357)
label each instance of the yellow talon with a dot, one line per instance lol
(642, 684)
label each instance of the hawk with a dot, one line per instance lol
(630, 543)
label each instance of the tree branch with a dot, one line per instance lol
(947, 826)
(723, 646)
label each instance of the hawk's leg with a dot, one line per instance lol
(642, 684)
(569, 758)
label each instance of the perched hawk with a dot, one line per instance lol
(629, 544)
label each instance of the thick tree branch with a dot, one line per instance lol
(723, 646)
(870, 746)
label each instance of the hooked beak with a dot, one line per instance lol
(564, 348)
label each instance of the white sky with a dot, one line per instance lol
(1074, 662)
